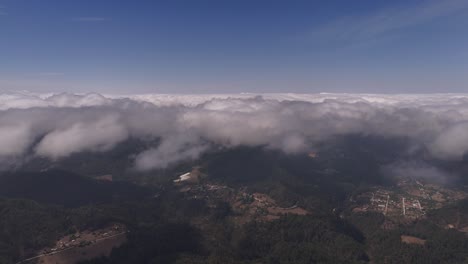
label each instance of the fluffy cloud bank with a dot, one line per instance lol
(417, 170)
(56, 126)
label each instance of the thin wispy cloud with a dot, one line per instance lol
(49, 74)
(90, 19)
(356, 29)
(3, 11)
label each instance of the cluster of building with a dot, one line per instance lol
(245, 205)
(391, 204)
(410, 199)
(86, 238)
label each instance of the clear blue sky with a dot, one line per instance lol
(221, 46)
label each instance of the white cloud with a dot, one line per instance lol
(93, 135)
(56, 126)
(14, 139)
(452, 143)
(171, 150)
(417, 170)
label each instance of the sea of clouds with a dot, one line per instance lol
(57, 125)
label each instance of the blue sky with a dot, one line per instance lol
(220, 46)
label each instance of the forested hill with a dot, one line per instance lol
(65, 188)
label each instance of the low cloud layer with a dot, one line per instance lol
(417, 170)
(56, 126)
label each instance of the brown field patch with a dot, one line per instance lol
(279, 211)
(464, 229)
(412, 240)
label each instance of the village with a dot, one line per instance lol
(86, 238)
(246, 205)
(391, 204)
(410, 199)
(74, 245)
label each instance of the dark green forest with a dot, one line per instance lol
(165, 226)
